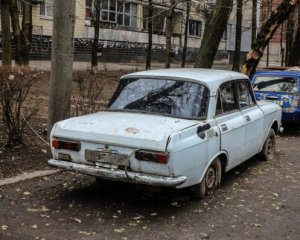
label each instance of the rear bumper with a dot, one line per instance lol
(119, 175)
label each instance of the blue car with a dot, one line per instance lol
(281, 87)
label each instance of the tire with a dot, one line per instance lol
(210, 181)
(268, 151)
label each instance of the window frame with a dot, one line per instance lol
(251, 94)
(237, 98)
(43, 7)
(198, 25)
(163, 78)
(116, 12)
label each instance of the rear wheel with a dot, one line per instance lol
(210, 181)
(268, 150)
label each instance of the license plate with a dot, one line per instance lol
(107, 156)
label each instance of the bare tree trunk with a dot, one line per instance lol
(238, 36)
(13, 6)
(96, 22)
(295, 55)
(6, 35)
(169, 33)
(186, 30)
(26, 37)
(254, 19)
(289, 38)
(263, 37)
(150, 32)
(61, 61)
(213, 33)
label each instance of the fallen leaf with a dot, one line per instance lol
(34, 226)
(4, 227)
(44, 150)
(26, 193)
(87, 233)
(257, 225)
(119, 230)
(204, 235)
(77, 220)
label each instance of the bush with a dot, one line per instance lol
(88, 94)
(15, 84)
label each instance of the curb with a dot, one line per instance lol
(27, 176)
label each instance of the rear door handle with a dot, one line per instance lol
(224, 127)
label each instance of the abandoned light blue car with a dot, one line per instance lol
(282, 88)
(170, 128)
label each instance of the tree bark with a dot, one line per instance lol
(96, 22)
(266, 33)
(150, 32)
(295, 53)
(13, 6)
(186, 30)
(61, 61)
(213, 33)
(169, 33)
(6, 35)
(289, 38)
(26, 37)
(254, 19)
(238, 36)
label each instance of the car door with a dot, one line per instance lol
(231, 123)
(253, 116)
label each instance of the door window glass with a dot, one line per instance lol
(228, 97)
(246, 98)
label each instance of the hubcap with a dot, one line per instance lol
(210, 178)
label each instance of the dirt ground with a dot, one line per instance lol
(257, 200)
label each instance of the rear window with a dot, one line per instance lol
(276, 84)
(159, 96)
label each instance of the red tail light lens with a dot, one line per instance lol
(158, 157)
(66, 144)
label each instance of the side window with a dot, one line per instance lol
(245, 96)
(228, 98)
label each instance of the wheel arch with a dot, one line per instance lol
(275, 126)
(223, 157)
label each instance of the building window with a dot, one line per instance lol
(126, 14)
(122, 13)
(195, 28)
(89, 9)
(158, 20)
(47, 8)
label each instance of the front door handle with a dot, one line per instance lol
(248, 118)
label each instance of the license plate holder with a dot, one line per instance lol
(107, 156)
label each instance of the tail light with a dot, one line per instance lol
(66, 144)
(158, 157)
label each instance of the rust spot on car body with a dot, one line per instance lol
(132, 130)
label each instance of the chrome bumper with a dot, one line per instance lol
(119, 175)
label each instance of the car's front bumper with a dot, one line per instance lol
(119, 175)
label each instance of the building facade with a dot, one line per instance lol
(123, 29)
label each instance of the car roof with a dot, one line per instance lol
(210, 77)
(277, 72)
